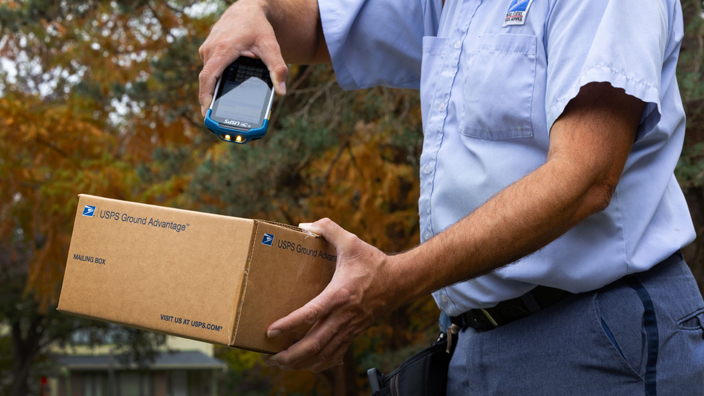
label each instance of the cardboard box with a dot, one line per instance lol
(207, 277)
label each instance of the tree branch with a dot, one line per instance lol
(335, 159)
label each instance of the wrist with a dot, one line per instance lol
(417, 273)
(272, 9)
(262, 7)
(399, 283)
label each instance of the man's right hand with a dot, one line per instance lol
(243, 30)
(263, 29)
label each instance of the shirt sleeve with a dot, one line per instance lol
(376, 42)
(622, 42)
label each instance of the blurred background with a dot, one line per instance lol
(100, 97)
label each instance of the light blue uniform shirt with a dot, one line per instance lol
(490, 94)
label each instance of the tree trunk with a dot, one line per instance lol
(350, 374)
(343, 379)
(25, 349)
(20, 372)
(19, 387)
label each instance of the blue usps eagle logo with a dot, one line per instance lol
(268, 239)
(518, 5)
(517, 12)
(89, 211)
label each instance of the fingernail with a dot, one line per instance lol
(271, 362)
(202, 110)
(272, 333)
(305, 226)
(282, 87)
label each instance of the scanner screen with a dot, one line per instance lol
(243, 101)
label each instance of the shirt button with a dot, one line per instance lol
(458, 44)
(427, 169)
(441, 107)
(443, 297)
(427, 235)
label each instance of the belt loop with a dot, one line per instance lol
(531, 302)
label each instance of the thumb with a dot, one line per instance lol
(331, 231)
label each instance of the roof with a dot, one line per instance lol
(179, 360)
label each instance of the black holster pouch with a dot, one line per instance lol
(423, 374)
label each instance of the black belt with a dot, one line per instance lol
(518, 308)
(510, 310)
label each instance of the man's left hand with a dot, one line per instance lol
(360, 291)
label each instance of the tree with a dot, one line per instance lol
(63, 131)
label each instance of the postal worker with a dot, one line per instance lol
(550, 218)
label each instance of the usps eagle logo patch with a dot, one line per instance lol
(268, 239)
(517, 12)
(89, 211)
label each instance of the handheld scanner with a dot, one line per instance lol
(240, 110)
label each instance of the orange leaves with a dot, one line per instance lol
(47, 265)
(367, 193)
(10, 4)
(50, 153)
(53, 130)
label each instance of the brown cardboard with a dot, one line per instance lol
(196, 275)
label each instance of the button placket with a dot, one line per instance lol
(437, 118)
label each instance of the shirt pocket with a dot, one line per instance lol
(433, 52)
(499, 76)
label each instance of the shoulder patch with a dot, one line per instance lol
(517, 12)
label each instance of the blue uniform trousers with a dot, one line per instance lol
(641, 335)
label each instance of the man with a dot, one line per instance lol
(552, 128)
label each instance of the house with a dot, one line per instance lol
(184, 368)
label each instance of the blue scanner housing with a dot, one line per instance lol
(241, 106)
(247, 135)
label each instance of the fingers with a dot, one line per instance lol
(243, 30)
(208, 77)
(306, 315)
(317, 346)
(270, 53)
(267, 50)
(331, 231)
(330, 357)
(323, 347)
(304, 353)
(334, 360)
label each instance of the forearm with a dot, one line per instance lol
(589, 147)
(519, 220)
(298, 29)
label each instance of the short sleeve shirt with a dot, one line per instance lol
(494, 75)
